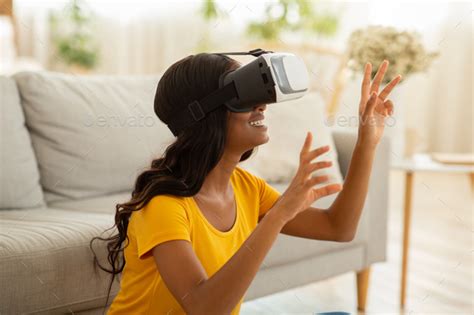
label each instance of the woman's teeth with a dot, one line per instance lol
(257, 123)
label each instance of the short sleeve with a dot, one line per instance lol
(268, 195)
(163, 219)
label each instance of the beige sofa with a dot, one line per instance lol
(71, 148)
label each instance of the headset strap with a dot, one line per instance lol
(197, 110)
(254, 52)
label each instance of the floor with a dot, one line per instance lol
(440, 270)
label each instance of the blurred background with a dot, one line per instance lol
(428, 42)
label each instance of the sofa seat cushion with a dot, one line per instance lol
(46, 260)
(19, 175)
(102, 204)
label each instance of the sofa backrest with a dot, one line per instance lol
(92, 134)
(19, 175)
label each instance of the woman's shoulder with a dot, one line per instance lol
(246, 177)
(162, 208)
(166, 200)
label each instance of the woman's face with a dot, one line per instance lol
(242, 135)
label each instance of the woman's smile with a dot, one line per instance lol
(258, 122)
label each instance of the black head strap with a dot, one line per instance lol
(254, 52)
(197, 110)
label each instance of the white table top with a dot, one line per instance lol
(424, 162)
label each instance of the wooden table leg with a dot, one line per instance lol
(406, 235)
(362, 288)
(472, 184)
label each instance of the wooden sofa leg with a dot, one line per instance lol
(362, 288)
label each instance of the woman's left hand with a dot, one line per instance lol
(373, 106)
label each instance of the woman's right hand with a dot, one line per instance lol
(300, 194)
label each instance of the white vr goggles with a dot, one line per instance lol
(271, 78)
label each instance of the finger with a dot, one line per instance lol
(389, 87)
(307, 143)
(389, 106)
(327, 190)
(369, 110)
(379, 76)
(365, 88)
(380, 107)
(317, 152)
(314, 180)
(318, 165)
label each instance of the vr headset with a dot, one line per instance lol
(270, 78)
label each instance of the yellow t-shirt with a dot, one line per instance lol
(169, 217)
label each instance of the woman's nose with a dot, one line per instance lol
(261, 107)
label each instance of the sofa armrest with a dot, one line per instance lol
(372, 227)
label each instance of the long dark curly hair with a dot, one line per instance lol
(186, 162)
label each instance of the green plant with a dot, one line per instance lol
(403, 49)
(209, 10)
(284, 15)
(72, 36)
(293, 15)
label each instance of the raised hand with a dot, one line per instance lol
(374, 107)
(300, 194)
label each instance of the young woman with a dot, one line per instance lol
(198, 226)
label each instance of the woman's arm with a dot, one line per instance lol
(186, 278)
(345, 211)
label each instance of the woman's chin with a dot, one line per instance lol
(264, 138)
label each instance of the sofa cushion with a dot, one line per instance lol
(92, 134)
(46, 260)
(102, 204)
(288, 122)
(19, 175)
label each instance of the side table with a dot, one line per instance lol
(420, 163)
